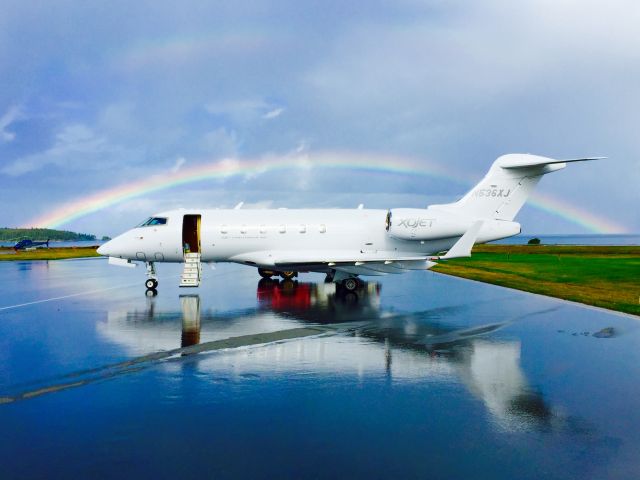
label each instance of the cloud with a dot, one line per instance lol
(245, 111)
(457, 82)
(220, 142)
(74, 146)
(276, 112)
(178, 165)
(14, 113)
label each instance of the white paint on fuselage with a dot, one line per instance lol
(257, 236)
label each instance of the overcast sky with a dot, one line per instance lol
(97, 94)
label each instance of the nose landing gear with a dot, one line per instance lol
(152, 281)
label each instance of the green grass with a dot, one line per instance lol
(603, 276)
(8, 254)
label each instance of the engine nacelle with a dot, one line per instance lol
(422, 224)
(432, 224)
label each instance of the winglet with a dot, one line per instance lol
(463, 246)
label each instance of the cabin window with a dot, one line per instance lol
(223, 229)
(323, 228)
(303, 229)
(153, 221)
(283, 229)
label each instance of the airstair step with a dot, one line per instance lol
(191, 271)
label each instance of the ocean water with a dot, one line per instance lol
(413, 376)
(586, 239)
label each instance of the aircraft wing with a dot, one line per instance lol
(348, 261)
(357, 263)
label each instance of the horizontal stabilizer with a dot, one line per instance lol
(527, 161)
(462, 247)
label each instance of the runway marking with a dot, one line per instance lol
(145, 361)
(79, 294)
(52, 299)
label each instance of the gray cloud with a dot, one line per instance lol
(10, 116)
(115, 92)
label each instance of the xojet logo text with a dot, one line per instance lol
(414, 222)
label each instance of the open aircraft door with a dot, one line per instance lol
(191, 234)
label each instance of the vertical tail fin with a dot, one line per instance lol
(506, 187)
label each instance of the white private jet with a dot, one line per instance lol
(342, 243)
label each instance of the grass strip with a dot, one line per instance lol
(54, 253)
(603, 276)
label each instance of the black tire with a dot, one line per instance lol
(151, 284)
(288, 275)
(265, 273)
(151, 292)
(350, 284)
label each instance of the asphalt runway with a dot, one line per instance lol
(416, 375)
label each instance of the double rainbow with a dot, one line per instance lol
(224, 169)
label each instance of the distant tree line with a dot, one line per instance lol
(41, 234)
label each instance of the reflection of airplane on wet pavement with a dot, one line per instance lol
(27, 244)
(341, 243)
(319, 302)
(400, 345)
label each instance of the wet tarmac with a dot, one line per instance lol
(416, 375)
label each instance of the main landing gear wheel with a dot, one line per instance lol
(151, 284)
(265, 273)
(350, 284)
(288, 275)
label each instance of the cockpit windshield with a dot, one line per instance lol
(153, 221)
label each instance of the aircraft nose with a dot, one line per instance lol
(106, 249)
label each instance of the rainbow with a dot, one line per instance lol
(223, 169)
(561, 208)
